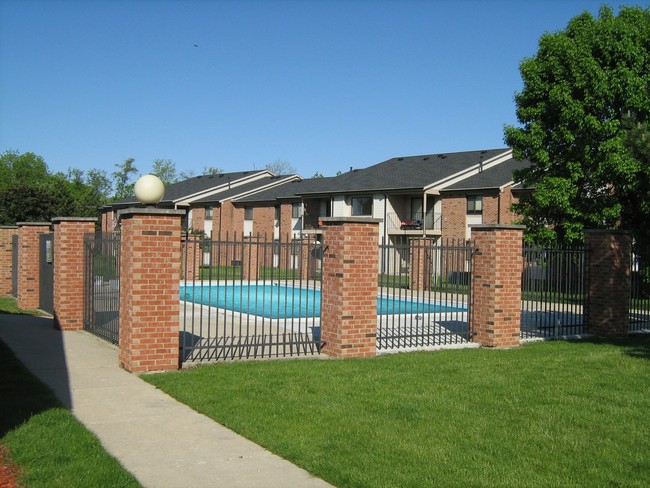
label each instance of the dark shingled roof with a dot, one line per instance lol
(282, 181)
(494, 177)
(406, 173)
(194, 185)
(288, 191)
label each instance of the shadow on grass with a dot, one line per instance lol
(22, 394)
(634, 345)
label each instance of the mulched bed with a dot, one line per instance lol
(9, 471)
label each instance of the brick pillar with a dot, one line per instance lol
(496, 284)
(28, 262)
(420, 263)
(7, 232)
(69, 270)
(307, 245)
(250, 266)
(608, 290)
(349, 286)
(191, 258)
(150, 263)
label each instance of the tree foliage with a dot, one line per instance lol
(578, 89)
(124, 178)
(24, 203)
(29, 192)
(165, 169)
(280, 167)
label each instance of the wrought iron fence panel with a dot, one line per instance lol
(554, 284)
(640, 295)
(255, 298)
(424, 291)
(102, 285)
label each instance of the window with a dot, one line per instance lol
(248, 213)
(208, 213)
(361, 205)
(296, 210)
(474, 205)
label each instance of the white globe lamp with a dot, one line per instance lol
(149, 189)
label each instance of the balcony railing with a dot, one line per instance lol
(401, 224)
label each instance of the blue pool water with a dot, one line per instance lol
(278, 301)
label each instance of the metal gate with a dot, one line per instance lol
(46, 273)
(14, 266)
(102, 285)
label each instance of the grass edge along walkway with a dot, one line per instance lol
(50, 447)
(547, 414)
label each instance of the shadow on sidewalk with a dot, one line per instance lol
(31, 352)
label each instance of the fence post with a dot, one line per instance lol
(607, 299)
(150, 264)
(250, 266)
(307, 245)
(69, 270)
(496, 284)
(6, 258)
(192, 253)
(28, 262)
(420, 263)
(349, 286)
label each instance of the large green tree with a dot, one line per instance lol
(579, 89)
(124, 178)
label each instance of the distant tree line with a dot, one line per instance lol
(29, 192)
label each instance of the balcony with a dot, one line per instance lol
(428, 225)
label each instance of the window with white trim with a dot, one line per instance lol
(474, 204)
(361, 206)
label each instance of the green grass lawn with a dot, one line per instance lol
(547, 414)
(45, 440)
(8, 305)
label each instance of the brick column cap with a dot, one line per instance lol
(57, 220)
(8, 226)
(480, 227)
(131, 211)
(342, 220)
(33, 224)
(619, 232)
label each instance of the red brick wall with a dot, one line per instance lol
(28, 263)
(198, 219)
(496, 289)
(491, 209)
(454, 222)
(608, 290)
(149, 290)
(69, 271)
(108, 221)
(349, 297)
(6, 255)
(263, 222)
(285, 221)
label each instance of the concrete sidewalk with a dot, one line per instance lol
(161, 441)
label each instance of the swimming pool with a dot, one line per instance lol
(280, 301)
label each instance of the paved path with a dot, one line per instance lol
(161, 441)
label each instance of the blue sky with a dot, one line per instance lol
(322, 85)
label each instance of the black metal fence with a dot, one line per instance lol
(250, 298)
(553, 291)
(436, 310)
(640, 295)
(102, 285)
